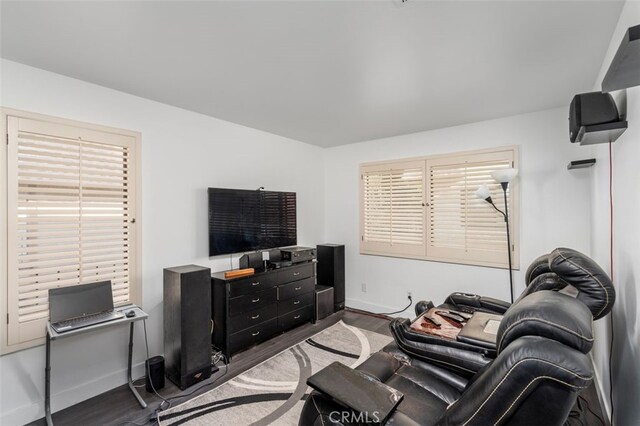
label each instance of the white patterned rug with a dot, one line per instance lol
(274, 391)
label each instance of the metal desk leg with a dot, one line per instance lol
(47, 383)
(133, 389)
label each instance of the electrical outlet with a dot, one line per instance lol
(409, 295)
(364, 287)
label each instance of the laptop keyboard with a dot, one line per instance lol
(85, 321)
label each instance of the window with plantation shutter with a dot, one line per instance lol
(393, 208)
(71, 212)
(426, 208)
(462, 227)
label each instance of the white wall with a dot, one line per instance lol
(183, 153)
(554, 209)
(626, 249)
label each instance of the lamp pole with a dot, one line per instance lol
(503, 177)
(505, 185)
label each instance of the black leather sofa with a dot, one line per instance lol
(563, 270)
(530, 374)
(541, 366)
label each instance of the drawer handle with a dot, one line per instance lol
(295, 274)
(298, 288)
(256, 283)
(255, 334)
(296, 317)
(256, 317)
(296, 302)
(255, 300)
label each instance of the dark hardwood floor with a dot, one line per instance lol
(119, 407)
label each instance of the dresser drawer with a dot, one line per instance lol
(297, 302)
(294, 318)
(253, 335)
(248, 285)
(295, 273)
(296, 288)
(252, 318)
(250, 302)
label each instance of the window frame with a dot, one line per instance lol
(514, 212)
(135, 287)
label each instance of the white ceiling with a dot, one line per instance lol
(326, 73)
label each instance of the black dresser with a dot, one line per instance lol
(249, 310)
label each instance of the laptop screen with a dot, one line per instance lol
(80, 300)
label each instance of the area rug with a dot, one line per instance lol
(274, 391)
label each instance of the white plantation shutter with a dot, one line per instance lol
(71, 214)
(393, 208)
(462, 226)
(426, 208)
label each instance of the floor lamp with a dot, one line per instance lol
(503, 177)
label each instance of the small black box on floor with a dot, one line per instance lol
(154, 371)
(323, 302)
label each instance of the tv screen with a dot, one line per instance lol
(246, 220)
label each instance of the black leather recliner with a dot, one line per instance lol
(540, 368)
(563, 269)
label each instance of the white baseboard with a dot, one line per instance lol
(375, 308)
(68, 397)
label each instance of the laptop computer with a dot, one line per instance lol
(80, 306)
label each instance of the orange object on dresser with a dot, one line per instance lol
(239, 273)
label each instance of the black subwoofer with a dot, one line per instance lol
(323, 302)
(187, 324)
(331, 271)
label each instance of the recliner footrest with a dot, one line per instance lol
(362, 393)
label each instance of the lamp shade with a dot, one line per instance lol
(483, 192)
(504, 175)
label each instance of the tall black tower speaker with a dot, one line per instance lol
(187, 324)
(331, 271)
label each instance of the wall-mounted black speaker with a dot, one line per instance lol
(331, 271)
(594, 118)
(187, 324)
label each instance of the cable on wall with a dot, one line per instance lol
(611, 209)
(611, 273)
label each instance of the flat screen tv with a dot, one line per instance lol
(247, 220)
